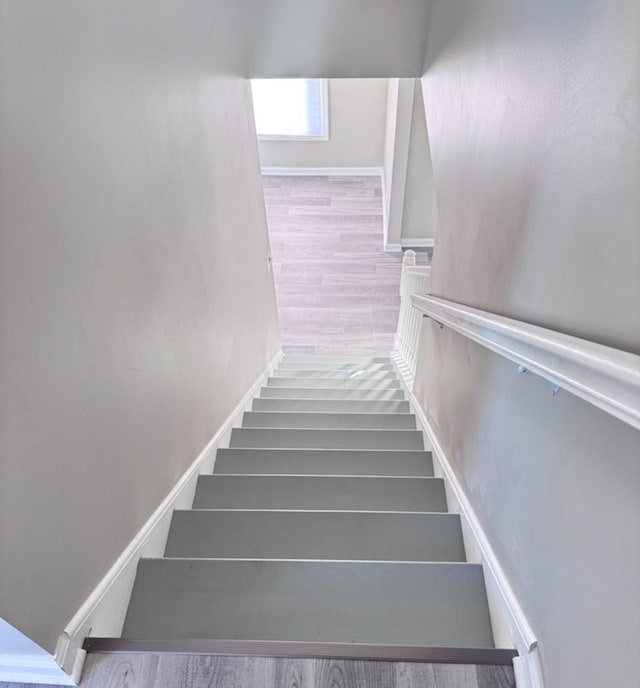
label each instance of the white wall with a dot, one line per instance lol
(532, 113)
(14, 643)
(396, 157)
(135, 300)
(393, 94)
(410, 199)
(419, 214)
(357, 120)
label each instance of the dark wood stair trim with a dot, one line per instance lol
(297, 649)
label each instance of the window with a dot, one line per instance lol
(291, 108)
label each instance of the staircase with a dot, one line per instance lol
(321, 532)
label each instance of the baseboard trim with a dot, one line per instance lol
(322, 171)
(422, 242)
(393, 247)
(290, 649)
(33, 668)
(507, 616)
(103, 612)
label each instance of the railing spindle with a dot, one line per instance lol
(413, 280)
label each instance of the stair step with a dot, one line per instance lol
(338, 360)
(350, 536)
(323, 462)
(344, 374)
(248, 656)
(325, 493)
(330, 406)
(379, 421)
(322, 527)
(319, 383)
(435, 604)
(284, 438)
(345, 393)
(335, 367)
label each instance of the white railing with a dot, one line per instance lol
(414, 280)
(601, 375)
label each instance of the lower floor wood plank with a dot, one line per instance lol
(163, 670)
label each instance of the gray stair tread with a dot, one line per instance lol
(379, 421)
(346, 373)
(330, 406)
(320, 492)
(340, 360)
(326, 439)
(334, 367)
(344, 393)
(333, 383)
(314, 535)
(324, 461)
(441, 605)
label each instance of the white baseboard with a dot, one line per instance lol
(510, 625)
(33, 668)
(422, 242)
(322, 171)
(103, 612)
(392, 247)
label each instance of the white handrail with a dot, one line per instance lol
(601, 375)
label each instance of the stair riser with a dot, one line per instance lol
(409, 604)
(316, 383)
(355, 394)
(326, 439)
(303, 535)
(330, 406)
(376, 421)
(320, 493)
(323, 462)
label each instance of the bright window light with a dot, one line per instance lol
(290, 108)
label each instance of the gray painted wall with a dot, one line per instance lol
(135, 300)
(532, 113)
(357, 120)
(332, 38)
(534, 125)
(257, 38)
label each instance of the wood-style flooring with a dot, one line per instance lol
(337, 290)
(150, 670)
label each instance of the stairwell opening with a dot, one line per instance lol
(323, 144)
